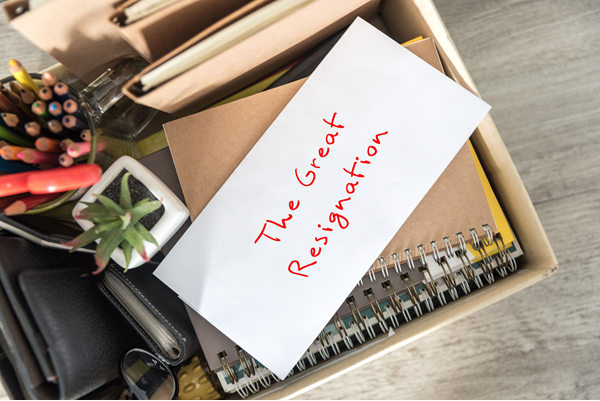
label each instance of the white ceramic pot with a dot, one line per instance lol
(173, 218)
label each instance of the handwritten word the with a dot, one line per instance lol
(323, 152)
(335, 217)
(282, 225)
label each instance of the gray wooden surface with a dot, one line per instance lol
(538, 64)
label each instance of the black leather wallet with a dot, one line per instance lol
(154, 310)
(61, 335)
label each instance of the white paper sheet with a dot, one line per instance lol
(259, 290)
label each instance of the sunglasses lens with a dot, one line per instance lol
(147, 377)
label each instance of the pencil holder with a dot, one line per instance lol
(103, 109)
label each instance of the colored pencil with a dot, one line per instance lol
(14, 99)
(39, 109)
(70, 106)
(33, 129)
(22, 205)
(65, 160)
(32, 156)
(13, 122)
(46, 94)
(15, 88)
(13, 166)
(55, 126)
(56, 109)
(49, 79)
(85, 135)
(77, 149)
(7, 106)
(64, 144)
(21, 75)
(72, 122)
(9, 152)
(62, 179)
(14, 138)
(9, 200)
(61, 90)
(48, 145)
(27, 96)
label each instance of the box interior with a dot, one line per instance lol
(406, 19)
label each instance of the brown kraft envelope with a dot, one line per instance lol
(208, 146)
(161, 32)
(77, 33)
(265, 51)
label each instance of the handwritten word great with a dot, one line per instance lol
(323, 152)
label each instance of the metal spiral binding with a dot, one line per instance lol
(463, 282)
(311, 358)
(395, 301)
(376, 308)
(231, 375)
(468, 268)
(384, 268)
(321, 347)
(449, 251)
(450, 280)
(436, 251)
(301, 365)
(360, 337)
(351, 302)
(248, 370)
(341, 328)
(489, 240)
(429, 282)
(462, 245)
(485, 263)
(372, 274)
(397, 265)
(473, 233)
(411, 263)
(412, 292)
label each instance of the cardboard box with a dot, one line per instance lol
(407, 19)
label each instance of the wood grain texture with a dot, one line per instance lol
(538, 64)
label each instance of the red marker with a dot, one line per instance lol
(63, 179)
(12, 184)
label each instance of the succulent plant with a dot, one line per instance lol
(116, 225)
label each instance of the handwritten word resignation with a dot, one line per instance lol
(355, 173)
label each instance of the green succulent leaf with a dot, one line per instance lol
(83, 239)
(125, 200)
(110, 241)
(143, 201)
(104, 220)
(125, 220)
(113, 225)
(134, 238)
(127, 251)
(145, 234)
(87, 215)
(111, 206)
(140, 211)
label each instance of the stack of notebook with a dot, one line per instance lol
(456, 241)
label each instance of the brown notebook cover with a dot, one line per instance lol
(208, 146)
